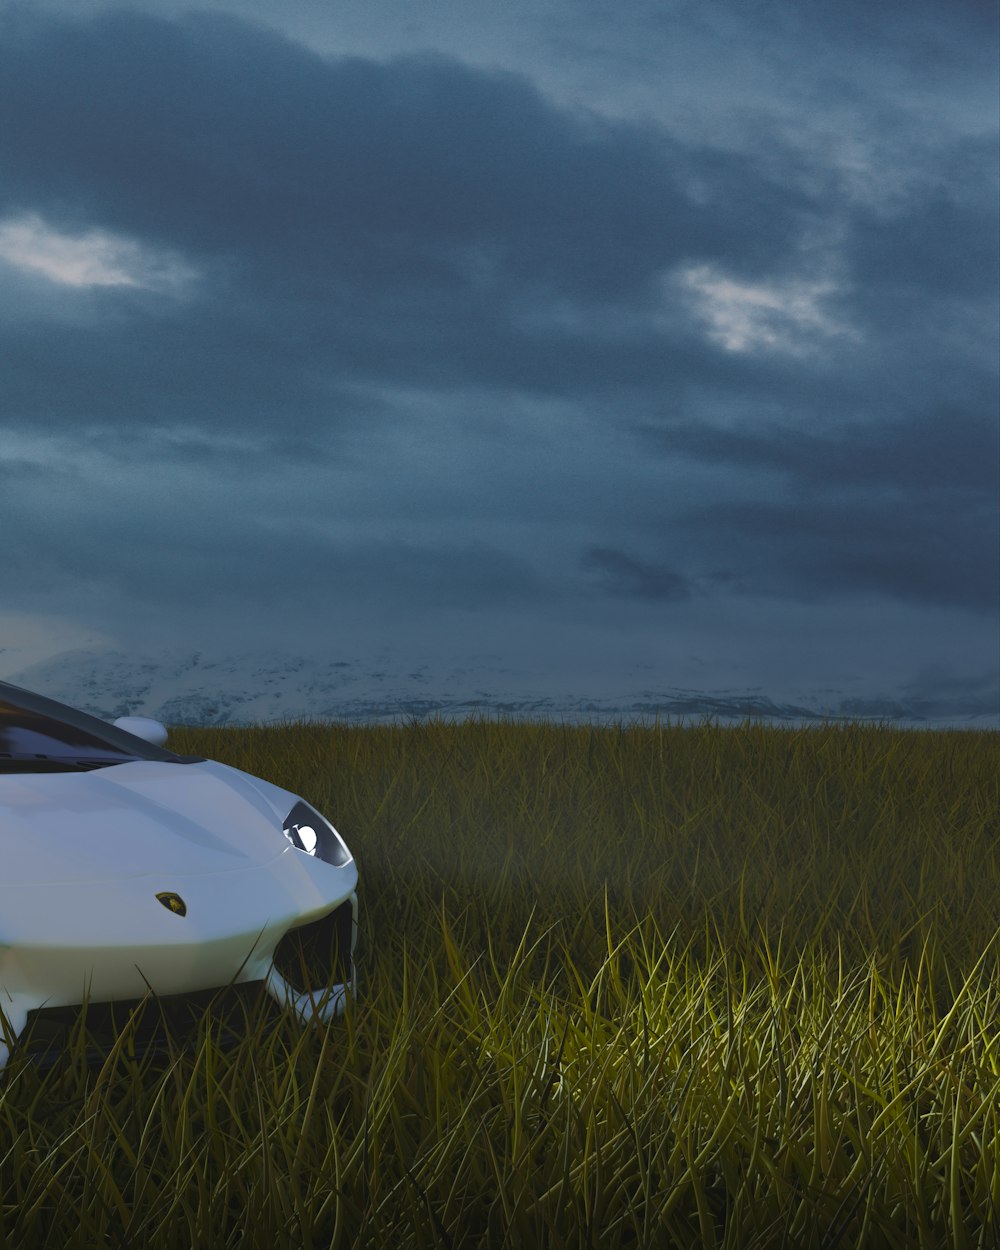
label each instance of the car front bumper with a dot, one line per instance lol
(287, 931)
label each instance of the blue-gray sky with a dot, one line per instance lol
(649, 344)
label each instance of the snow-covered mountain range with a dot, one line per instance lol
(192, 688)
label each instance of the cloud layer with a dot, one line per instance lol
(399, 336)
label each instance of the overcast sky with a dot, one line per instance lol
(614, 344)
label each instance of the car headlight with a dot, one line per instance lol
(313, 834)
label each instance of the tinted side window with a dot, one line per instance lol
(30, 733)
(24, 716)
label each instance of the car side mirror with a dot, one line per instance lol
(143, 727)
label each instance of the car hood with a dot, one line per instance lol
(136, 818)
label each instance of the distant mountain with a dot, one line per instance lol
(263, 687)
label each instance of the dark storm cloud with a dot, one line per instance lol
(400, 222)
(945, 553)
(624, 575)
(207, 363)
(810, 551)
(942, 241)
(946, 448)
(360, 218)
(919, 523)
(217, 136)
(277, 568)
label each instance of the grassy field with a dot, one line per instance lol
(619, 987)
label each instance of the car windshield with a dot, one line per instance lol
(39, 732)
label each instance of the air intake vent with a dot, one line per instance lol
(317, 955)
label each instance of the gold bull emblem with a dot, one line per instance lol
(173, 902)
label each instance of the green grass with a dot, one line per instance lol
(619, 987)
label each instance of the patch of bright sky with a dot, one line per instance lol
(743, 317)
(92, 258)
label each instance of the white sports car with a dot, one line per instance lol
(125, 868)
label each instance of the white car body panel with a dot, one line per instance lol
(83, 856)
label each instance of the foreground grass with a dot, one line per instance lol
(619, 987)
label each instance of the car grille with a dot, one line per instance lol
(317, 955)
(175, 1018)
